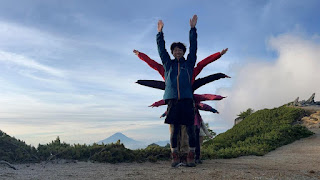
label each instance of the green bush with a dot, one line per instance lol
(246, 113)
(258, 134)
(13, 150)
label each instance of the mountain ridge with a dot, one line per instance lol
(129, 142)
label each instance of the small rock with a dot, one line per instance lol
(312, 171)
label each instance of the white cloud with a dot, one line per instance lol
(267, 84)
(30, 41)
(20, 60)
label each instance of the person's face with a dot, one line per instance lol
(177, 53)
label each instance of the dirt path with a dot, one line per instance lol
(299, 160)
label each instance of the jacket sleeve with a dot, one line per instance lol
(206, 107)
(206, 97)
(152, 63)
(202, 81)
(192, 56)
(165, 58)
(158, 103)
(203, 63)
(164, 114)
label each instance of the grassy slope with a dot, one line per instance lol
(13, 150)
(258, 134)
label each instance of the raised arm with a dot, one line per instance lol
(203, 63)
(153, 83)
(206, 107)
(158, 103)
(192, 56)
(164, 55)
(152, 63)
(164, 114)
(202, 81)
(160, 25)
(206, 61)
(193, 21)
(206, 97)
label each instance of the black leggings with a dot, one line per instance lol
(176, 131)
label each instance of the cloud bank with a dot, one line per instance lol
(272, 83)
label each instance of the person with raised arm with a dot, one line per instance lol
(178, 90)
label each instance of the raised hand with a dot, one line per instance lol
(136, 52)
(193, 21)
(160, 25)
(224, 51)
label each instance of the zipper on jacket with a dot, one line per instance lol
(178, 80)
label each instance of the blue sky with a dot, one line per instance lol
(67, 67)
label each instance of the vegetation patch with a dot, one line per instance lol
(258, 134)
(14, 150)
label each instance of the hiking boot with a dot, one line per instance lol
(198, 161)
(183, 158)
(175, 159)
(190, 160)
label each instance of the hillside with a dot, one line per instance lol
(14, 150)
(259, 133)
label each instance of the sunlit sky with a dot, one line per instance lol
(67, 67)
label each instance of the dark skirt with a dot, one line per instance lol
(180, 112)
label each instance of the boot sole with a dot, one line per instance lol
(178, 165)
(191, 165)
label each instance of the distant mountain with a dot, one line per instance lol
(162, 143)
(128, 142)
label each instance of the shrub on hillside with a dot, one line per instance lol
(13, 150)
(109, 153)
(246, 113)
(258, 134)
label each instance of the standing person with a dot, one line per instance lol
(178, 90)
(183, 140)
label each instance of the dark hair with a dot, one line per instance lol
(179, 45)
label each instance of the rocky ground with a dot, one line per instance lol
(299, 160)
